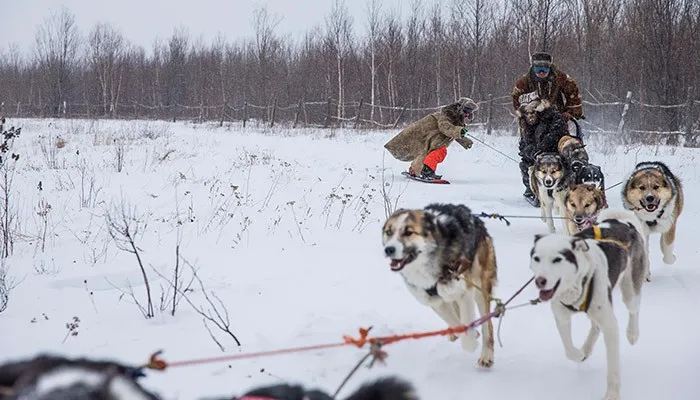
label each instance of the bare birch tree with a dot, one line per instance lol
(107, 48)
(374, 9)
(339, 30)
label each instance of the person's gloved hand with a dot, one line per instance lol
(465, 142)
(463, 132)
(567, 116)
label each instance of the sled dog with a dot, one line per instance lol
(592, 174)
(655, 195)
(583, 203)
(448, 262)
(574, 151)
(550, 179)
(578, 274)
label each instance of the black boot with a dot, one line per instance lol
(428, 173)
(527, 194)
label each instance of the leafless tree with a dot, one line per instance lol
(57, 42)
(339, 30)
(267, 46)
(374, 32)
(107, 49)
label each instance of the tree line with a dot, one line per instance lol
(472, 48)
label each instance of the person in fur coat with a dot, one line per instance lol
(541, 126)
(424, 142)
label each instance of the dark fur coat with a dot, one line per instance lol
(544, 136)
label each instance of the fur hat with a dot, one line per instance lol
(541, 58)
(536, 105)
(466, 102)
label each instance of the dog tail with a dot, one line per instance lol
(390, 388)
(626, 216)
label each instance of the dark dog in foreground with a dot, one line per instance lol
(57, 378)
(381, 389)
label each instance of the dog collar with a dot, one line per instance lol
(587, 296)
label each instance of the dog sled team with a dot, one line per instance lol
(447, 258)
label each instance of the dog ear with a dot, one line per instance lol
(538, 236)
(579, 244)
(598, 194)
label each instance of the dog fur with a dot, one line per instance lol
(574, 151)
(389, 388)
(448, 262)
(592, 174)
(50, 377)
(550, 180)
(582, 205)
(579, 273)
(655, 195)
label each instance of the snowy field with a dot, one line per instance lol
(284, 226)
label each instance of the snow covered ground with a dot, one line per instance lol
(284, 228)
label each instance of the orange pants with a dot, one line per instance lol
(435, 157)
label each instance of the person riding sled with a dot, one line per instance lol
(424, 142)
(544, 82)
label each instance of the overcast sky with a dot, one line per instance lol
(141, 21)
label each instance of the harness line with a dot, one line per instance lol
(157, 363)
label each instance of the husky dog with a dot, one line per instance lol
(582, 205)
(550, 179)
(390, 388)
(50, 377)
(574, 151)
(447, 260)
(655, 195)
(579, 272)
(591, 174)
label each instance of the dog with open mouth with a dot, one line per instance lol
(550, 179)
(577, 273)
(582, 204)
(655, 195)
(448, 262)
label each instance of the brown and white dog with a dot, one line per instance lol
(550, 180)
(448, 263)
(655, 195)
(582, 204)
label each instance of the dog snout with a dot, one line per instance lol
(650, 199)
(548, 181)
(541, 282)
(578, 219)
(390, 251)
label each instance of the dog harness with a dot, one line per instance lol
(586, 300)
(655, 222)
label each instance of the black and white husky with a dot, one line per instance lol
(579, 272)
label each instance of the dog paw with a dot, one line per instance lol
(453, 290)
(469, 341)
(485, 361)
(648, 279)
(632, 334)
(576, 355)
(669, 259)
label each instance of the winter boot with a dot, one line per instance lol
(428, 173)
(531, 198)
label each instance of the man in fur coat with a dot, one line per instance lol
(544, 81)
(541, 127)
(425, 141)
